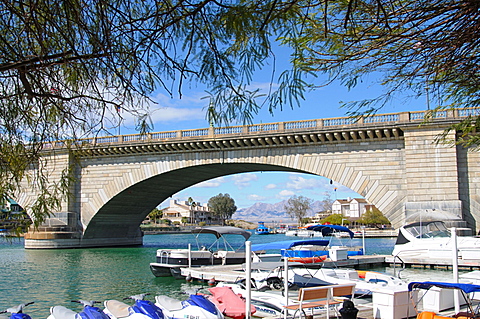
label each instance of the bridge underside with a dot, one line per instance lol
(117, 223)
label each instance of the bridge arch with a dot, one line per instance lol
(118, 204)
(124, 212)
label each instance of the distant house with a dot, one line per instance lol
(195, 213)
(11, 206)
(10, 210)
(352, 208)
(13, 215)
(317, 218)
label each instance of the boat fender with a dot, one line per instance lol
(211, 282)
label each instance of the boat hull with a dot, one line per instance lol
(169, 261)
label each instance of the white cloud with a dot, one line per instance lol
(256, 198)
(285, 193)
(271, 186)
(243, 180)
(299, 183)
(217, 182)
(171, 114)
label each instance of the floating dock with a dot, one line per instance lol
(432, 263)
(233, 273)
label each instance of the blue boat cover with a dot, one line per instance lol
(287, 244)
(329, 229)
(467, 288)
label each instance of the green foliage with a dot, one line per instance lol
(297, 207)
(373, 217)
(68, 69)
(410, 45)
(305, 220)
(335, 219)
(155, 215)
(222, 206)
(166, 221)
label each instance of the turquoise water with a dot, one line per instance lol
(55, 277)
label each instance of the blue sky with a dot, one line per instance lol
(268, 187)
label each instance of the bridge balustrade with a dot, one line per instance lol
(279, 127)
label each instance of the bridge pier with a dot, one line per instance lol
(61, 231)
(55, 238)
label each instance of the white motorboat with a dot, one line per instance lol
(432, 239)
(302, 232)
(365, 280)
(219, 252)
(267, 276)
(270, 276)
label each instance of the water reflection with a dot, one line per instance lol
(54, 277)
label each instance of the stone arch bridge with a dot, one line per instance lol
(390, 159)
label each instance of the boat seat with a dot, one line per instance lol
(63, 312)
(169, 303)
(117, 308)
(323, 296)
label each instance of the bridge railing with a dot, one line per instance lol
(403, 117)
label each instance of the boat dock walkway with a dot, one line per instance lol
(432, 263)
(233, 273)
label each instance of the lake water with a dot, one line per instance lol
(55, 277)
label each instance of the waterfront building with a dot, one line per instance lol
(351, 208)
(193, 212)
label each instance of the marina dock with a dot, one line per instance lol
(432, 263)
(232, 273)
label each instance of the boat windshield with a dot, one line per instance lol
(428, 230)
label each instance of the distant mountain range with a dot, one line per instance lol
(271, 212)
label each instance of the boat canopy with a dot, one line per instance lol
(220, 231)
(287, 244)
(329, 229)
(467, 288)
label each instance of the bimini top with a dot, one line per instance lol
(220, 231)
(467, 288)
(287, 244)
(329, 229)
